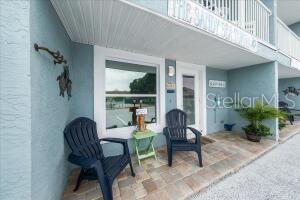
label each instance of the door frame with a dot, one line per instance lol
(199, 72)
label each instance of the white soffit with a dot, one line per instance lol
(121, 25)
(288, 72)
(289, 11)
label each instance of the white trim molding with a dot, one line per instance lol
(101, 54)
(200, 73)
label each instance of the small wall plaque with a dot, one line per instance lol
(171, 86)
(171, 70)
(217, 84)
(170, 91)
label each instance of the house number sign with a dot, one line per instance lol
(217, 84)
(196, 15)
(170, 87)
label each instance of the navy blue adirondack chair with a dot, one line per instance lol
(81, 135)
(176, 135)
(283, 106)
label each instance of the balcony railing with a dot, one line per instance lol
(250, 15)
(288, 41)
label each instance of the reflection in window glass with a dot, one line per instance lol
(120, 111)
(125, 78)
(189, 98)
(128, 87)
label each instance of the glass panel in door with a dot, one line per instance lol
(188, 84)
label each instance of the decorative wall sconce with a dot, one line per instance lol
(171, 71)
(57, 57)
(291, 90)
(64, 82)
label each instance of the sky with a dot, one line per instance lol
(120, 79)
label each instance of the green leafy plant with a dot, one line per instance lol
(282, 123)
(256, 115)
(260, 130)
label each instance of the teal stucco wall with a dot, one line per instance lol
(296, 28)
(292, 100)
(254, 81)
(15, 98)
(216, 116)
(83, 81)
(50, 112)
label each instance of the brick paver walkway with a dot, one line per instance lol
(155, 180)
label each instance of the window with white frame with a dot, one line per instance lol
(128, 87)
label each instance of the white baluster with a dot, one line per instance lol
(256, 19)
(259, 20)
(215, 6)
(253, 17)
(219, 7)
(268, 19)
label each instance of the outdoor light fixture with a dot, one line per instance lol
(58, 58)
(171, 71)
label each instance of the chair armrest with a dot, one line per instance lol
(166, 132)
(114, 140)
(119, 141)
(195, 131)
(82, 161)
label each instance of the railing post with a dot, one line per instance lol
(241, 13)
(273, 34)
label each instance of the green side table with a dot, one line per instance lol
(149, 150)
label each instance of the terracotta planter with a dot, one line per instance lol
(253, 137)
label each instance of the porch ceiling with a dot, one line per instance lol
(122, 25)
(288, 72)
(288, 11)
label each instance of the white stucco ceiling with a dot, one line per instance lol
(289, 11)
(121, 25)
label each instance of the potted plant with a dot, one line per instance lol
(282, 123)
(256, 115)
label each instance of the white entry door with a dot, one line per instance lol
(190, 91)
(188, 94)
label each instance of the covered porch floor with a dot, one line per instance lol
(290, 130)
(223, 154)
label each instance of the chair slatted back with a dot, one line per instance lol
(81, 135)
(176, 122)
(283, 104)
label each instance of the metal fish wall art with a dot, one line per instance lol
(64, 83)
